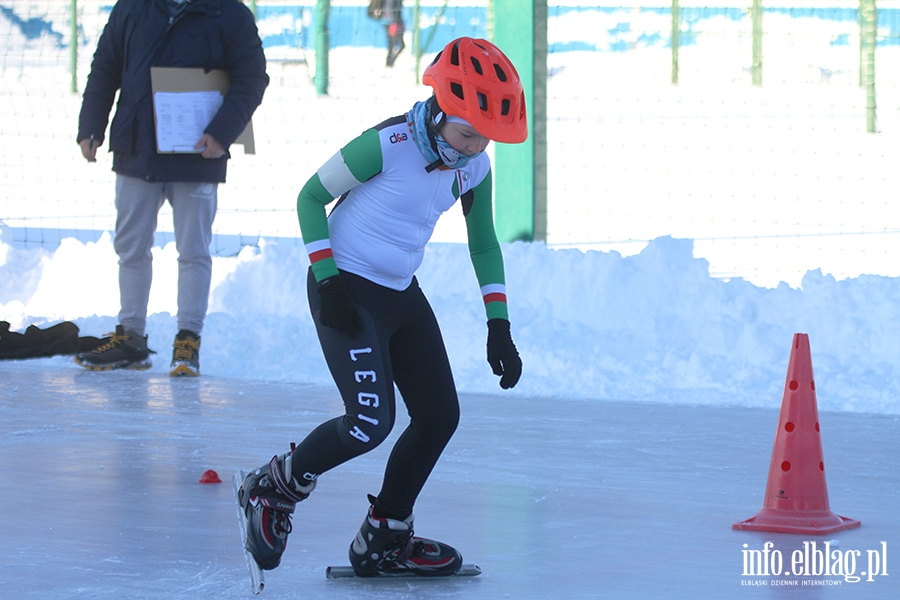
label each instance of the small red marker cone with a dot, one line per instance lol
(210, 476)
(796, 493)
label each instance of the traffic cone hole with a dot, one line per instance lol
(794, 386)
(789, 427)
(785, 466)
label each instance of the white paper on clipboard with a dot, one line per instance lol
(189, 96)
(182, 117)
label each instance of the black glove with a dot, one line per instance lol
(338, 310)
(502, 354)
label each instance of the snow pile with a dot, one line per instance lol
(651, 327)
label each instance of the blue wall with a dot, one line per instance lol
(349, 25)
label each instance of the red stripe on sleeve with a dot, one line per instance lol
(319, 255)
(495, 297)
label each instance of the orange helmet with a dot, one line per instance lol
(473, 80)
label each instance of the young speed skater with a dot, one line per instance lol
(374, 324)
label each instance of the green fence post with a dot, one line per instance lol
(676, 38)
(418, 47)
(437, 22)
(416, 32)
(520, 173)
(869, 34)
(253, 8)
(490, 20)
(73, 45)
(320, 80)
(756, 15)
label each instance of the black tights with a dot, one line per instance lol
(400, 344)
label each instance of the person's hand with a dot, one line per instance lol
(210, 147)
(502, 354)
(89, 148)
(338, 310)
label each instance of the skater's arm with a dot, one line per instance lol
(358, 161)
(484, 249)
(487, 259)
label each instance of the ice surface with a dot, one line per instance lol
(560, 498)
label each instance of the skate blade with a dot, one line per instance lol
(257, 579)
(467, 570)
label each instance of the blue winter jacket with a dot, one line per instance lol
(212, 34)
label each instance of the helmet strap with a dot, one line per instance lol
(435, 119)
(437, 116)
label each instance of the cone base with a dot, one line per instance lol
(816, 522)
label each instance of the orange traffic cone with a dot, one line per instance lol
(796, 494)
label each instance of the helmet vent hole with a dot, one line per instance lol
(477, 65)
(457, 90)
(504, 107)
(454, 55)
(501, 75)
(482, 101)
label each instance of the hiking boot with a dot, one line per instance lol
(268, 497)
(186, 355)
(120, 350)
(387, 547)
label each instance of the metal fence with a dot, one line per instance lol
(766, 133)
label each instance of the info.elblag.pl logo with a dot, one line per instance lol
(812, 562)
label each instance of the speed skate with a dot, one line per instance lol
(467, 570)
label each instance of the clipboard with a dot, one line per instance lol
(186, 88)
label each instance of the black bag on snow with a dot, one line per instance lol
(61, 338)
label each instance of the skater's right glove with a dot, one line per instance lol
(338, 311)
(502, 354)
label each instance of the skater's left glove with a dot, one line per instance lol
(502, 354)
(338, 310)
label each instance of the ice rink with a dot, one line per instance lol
(552, 498)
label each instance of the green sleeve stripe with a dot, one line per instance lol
(326, 268)
(496, 310)
(362, 155)
(484, 249)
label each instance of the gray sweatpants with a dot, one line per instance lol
(137, 207)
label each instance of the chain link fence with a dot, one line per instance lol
(766, 133)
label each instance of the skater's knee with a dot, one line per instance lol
(448, 426)
(440, 421)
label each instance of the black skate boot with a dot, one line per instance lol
(268, 497)
(388, 547)
(185, 355)
(120, 350)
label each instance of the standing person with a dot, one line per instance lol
(211, 34)
(391, 13)
(375, 325)
(395, 28)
